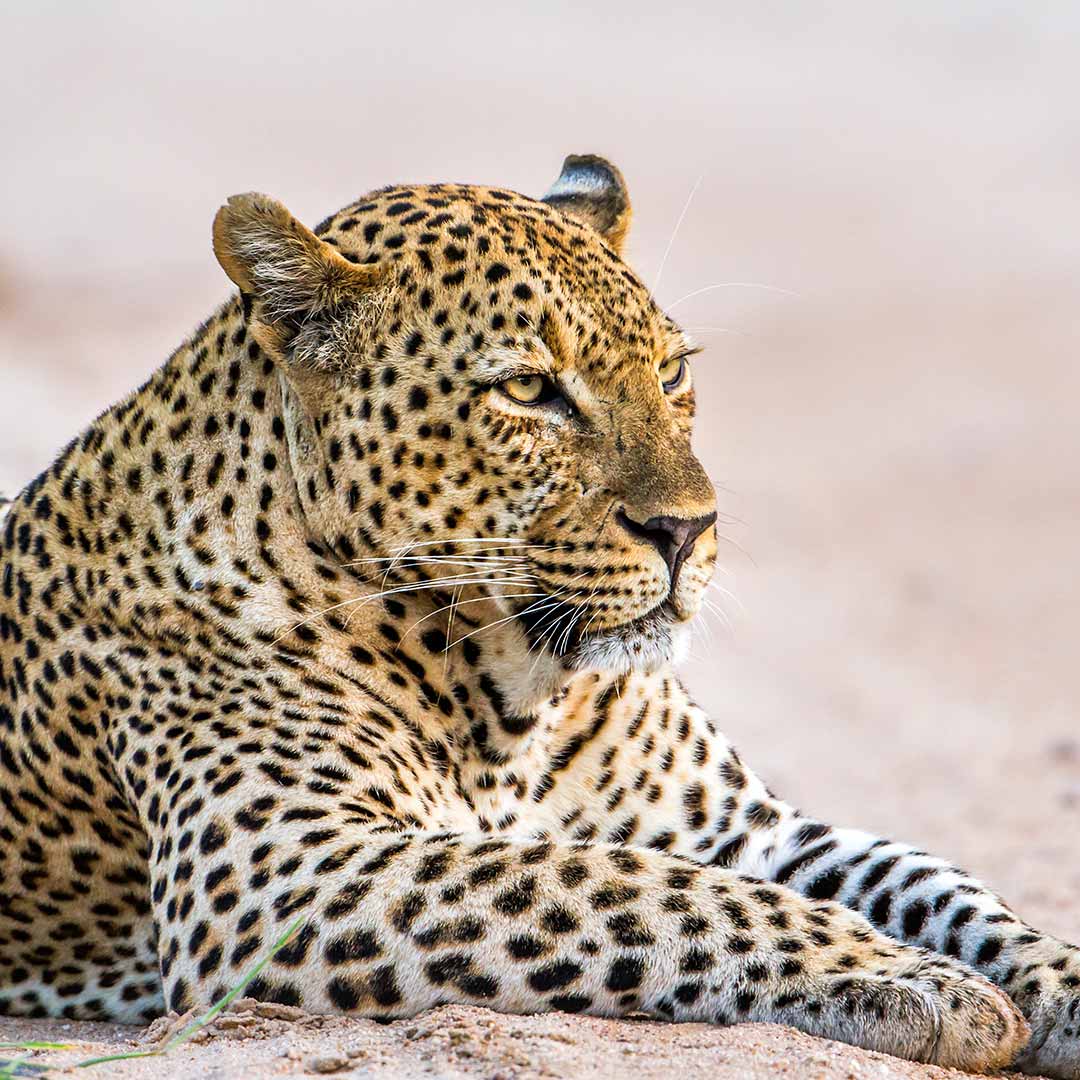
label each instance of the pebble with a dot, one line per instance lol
(331, 1064)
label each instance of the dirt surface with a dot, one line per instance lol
(258, 1040)
(889, 399)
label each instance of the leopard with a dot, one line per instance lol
(360, 617)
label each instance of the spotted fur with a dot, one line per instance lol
(322, 621)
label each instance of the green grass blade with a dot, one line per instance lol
(182, 1037)
(36, 1046)
(130, 1055)
(16, 1068)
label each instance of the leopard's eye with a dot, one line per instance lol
(529, 389)
(672, 373)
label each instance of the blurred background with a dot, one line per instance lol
(881, 252)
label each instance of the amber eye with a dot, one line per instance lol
(529, 390)
(672, 372)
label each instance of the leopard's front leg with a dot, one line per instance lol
(921, 899)
(400, 923)
(649, 768)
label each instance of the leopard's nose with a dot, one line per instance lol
(673, 537)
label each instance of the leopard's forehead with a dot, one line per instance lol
(501, 263)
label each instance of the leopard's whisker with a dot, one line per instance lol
(486, 626)
(450, 626)
(509, 540)
(715, 609)
(675, 232)
(436, 583)
(565, 639)
(539, 647)
(726, 593)
(701, 623)
(588, 626)
(600, 578)
(451, 560)
(730, 285)
(549, 633)
(737, 546)
(502, 573)
(516, 614)
(360, 601)
(462, 603)
(588, 600)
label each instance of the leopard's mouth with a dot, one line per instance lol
(642, 643)
(660, 614)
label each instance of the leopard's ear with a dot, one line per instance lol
(592, 190)
(285, 270)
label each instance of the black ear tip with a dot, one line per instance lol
(588, 161)
(575, 161)
(589, 174)
(592, 190)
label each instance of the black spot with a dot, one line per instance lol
(571, 1003)
(877, 873)
(555, 976)
(355, 945)
(915, 915)
(628, 930)
(525, 947)
(626, 973)
(344, 992)
(408, 911)
(557, 920)
(212, 839)
(879, 910)
(384, 988)
(480, 986)
(178, 998)
(518, 898)
(988, 952)
(827, 885)
(696, 961)
(448, 968)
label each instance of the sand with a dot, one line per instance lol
(259, 1040)
(894, 433)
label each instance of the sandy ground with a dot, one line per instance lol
(895, 432)
(461, 1041)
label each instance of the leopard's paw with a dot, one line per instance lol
(926, 1009)
(979, 1029)
(1047, 989)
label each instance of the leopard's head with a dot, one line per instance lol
(481, 391)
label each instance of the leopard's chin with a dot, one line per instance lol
(644, 645)
(655, 639)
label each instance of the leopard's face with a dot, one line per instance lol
(504, 407)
